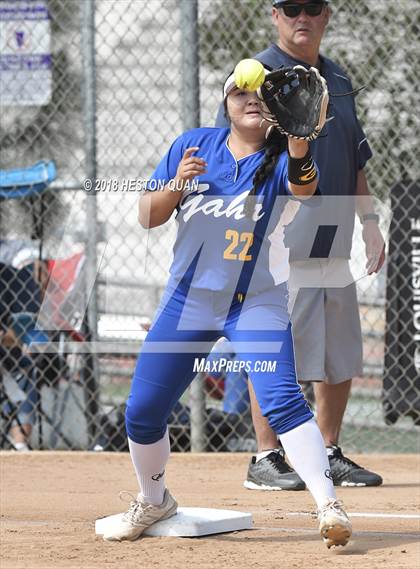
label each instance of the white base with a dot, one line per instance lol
(188, 522)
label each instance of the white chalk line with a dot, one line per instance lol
(389, 516)
(366, 515)
(354, 534)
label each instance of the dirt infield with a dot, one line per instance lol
(49, 502)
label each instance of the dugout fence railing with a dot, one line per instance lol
(102, 88)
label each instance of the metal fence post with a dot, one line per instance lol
(191, 119)
(198, 414)
(89, 119)
(190, 65)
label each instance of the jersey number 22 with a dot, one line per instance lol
(237, 239)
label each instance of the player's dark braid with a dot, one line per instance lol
(275, 145)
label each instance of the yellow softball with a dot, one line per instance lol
(249, 74)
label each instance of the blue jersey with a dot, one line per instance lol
(218, 247)
(340, 152)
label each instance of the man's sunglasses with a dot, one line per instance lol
(293, 10)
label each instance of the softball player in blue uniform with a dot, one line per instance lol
(234, 191)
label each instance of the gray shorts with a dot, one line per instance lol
(326, 323)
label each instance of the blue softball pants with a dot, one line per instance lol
(188, 322)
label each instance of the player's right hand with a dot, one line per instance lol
(190, 166)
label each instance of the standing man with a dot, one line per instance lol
(326, 323)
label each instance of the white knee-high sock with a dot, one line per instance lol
(149, 462)
(306, 452)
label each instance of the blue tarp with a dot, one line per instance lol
(25, 182)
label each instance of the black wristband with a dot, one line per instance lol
(301, 171)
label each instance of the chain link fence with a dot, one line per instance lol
(121, 80)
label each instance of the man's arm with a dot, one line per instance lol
(372, 236)
(364, 200)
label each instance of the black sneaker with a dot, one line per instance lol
(345, 472)
(272, 473)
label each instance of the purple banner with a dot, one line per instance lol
(36, 12)
(25, 62)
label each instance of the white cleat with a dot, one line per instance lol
(334, 525)
(140, 516)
